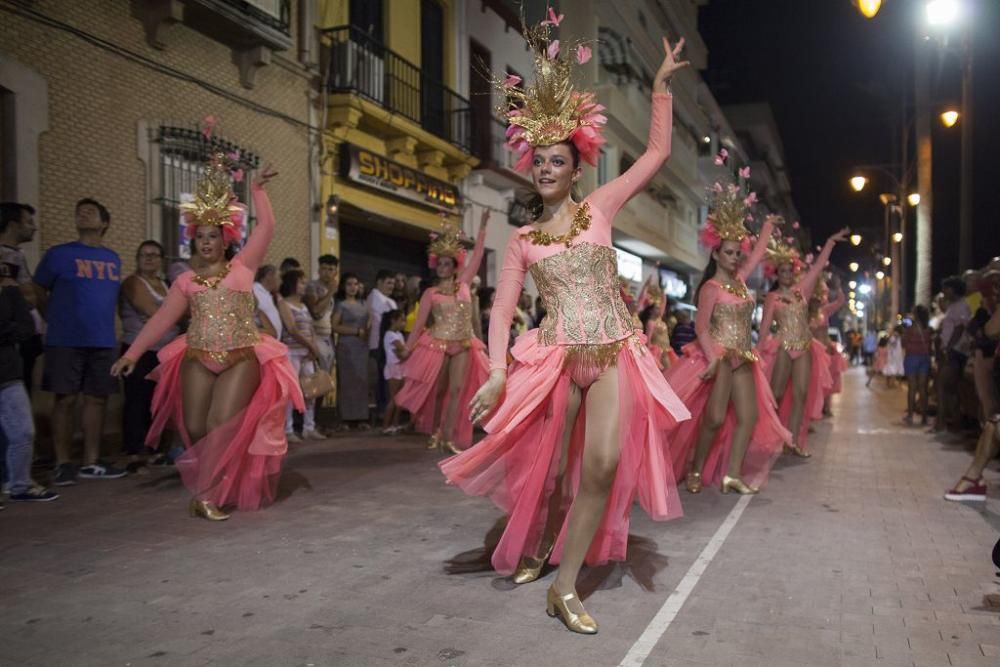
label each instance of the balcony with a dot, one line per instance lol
(363, 66)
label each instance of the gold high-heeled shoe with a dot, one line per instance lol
(555, 605)
(693, 482)
(530, 567)
(738, 485)
(449, 446)
(797, 451)
(206, 510)
(435, 441)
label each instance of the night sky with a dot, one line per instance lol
(836, 83)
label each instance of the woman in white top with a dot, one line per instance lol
(265, 294)
(302, 351)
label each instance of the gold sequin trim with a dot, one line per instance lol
(737, 289)
(601, 356)
(581, 223)
(225, 358)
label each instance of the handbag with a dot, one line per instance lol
(317, 384)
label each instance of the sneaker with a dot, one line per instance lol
(101, 471)
(35, 494)
(65, 475)
(975, 492)
(293, 438)
(313, 435)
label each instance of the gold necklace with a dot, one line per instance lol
(211, 282)
(581, 222)
(737, 288)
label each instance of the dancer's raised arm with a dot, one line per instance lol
(252, 254)
(471, 267)
(759, 250)
(808, 282)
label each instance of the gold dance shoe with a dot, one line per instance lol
(530, 567)
(206, 510)
(797, 451)
(449, 446)
(434, 442)
(693, 482)
(738, 485)
(555, 605)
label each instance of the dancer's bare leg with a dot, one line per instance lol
(457, 367)
(601, 451)
(715, 414)
(744, 397)
(985, 388)
(554, 511)
(440, 394)
(801, 372)
(233, 390)
(987, 447)
(780, 374)
(197, 383)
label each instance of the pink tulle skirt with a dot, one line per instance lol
(838, 364)
(765, 442)
(820, 382)
(238, 463)
(422, 371)
(516, 465)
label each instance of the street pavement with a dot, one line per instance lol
(368, 558)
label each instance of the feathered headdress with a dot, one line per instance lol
(728, 210)
(551, 110)
(446, 243)
(782, 251)
(214, 202)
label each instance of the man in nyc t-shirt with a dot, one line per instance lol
(79, 284)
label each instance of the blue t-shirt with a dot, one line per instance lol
(83, 282)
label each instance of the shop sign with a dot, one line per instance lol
(362, 166)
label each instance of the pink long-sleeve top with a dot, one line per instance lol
(221, 315)
(452, 312)
(791, 309)
(725, 310)
(578, 281)
(820, 323)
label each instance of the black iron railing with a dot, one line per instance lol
(363, 65)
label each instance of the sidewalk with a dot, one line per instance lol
(849, 558)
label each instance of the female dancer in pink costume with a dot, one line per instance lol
(224, 385)
(579, 432)
(653, 305)
(820, 312)
(792, 358)
(447, 362)
(734, 430)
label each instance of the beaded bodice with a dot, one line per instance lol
(792, 316)
(221, 320)
(452, 319)
(579, 289)
(730, 327)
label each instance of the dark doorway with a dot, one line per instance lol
(480, 94)
(432, 67)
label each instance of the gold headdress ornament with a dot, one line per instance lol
(781, 251)
(214, 202)
(550, 110)
(446, 243)
(728, 209)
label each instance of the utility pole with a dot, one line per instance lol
(965, 206)
(921, 87)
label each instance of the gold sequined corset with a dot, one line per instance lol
(793, 325)
(729, 326)
(221, 321)
(579, 289)
(452, 319)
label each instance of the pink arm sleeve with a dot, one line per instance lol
(758, 250)
(508, 292)
(831, 308)
(808, 282)
(706, 304)
(612, 195)
(252, 254)
(768, 317)
(472, 266)
(173, 308)
(423, 312)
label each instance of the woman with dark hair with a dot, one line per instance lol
(446, 362)
(223, 385)
(351, 323)
(142, 294)
(917, 340)
(303, 352)
(797, 364)
(734, 431)
(568, 482)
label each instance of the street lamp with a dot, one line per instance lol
(913, 198)
(897, 237)
(942, 12)
(855, 239)
(865, 289)
(886, 261)
(949, 118)
(853, 266)
(853, 284)
(879, 275)
(868, 8)
(858, 183)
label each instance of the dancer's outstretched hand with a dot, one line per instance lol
(669, 66)
(484, 219)
(124, 367)
(841, 235)
(264, 176)
(486, 398)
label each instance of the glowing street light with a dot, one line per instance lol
(868, 8)
(865, 289)
(859, 182)
(913, 198)
(706, 139)
(879, 275)
(886, 261)
(942, 12)
(853, 296)
(855, 239)
(898, 237)
(949, 118)
(853, 266)
(853, 284)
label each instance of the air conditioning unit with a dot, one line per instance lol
(356, 67)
